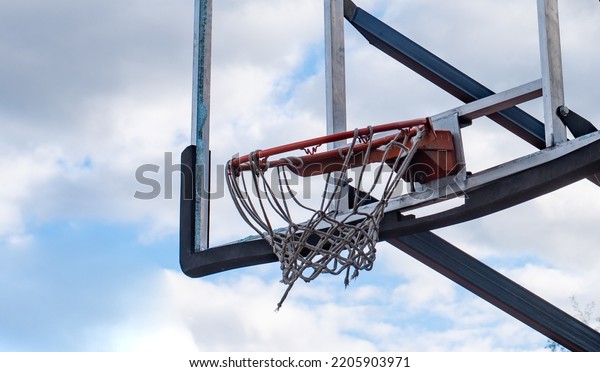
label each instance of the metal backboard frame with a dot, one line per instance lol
(489, 191)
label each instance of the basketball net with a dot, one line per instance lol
(330, 241)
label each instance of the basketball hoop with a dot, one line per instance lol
(332, 240)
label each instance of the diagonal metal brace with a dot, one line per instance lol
(499, 290)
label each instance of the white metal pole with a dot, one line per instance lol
(335, 90)
(200, 116)
(552, 76)
(335, 76)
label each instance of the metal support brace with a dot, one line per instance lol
(499, 290)
(335, 87)
(200, 117)
(579, 126)
(335, 76)
(552, 77)
(450, 122)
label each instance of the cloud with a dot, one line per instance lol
(219, 325)
(87, 100)
(21, 173)
(61, 55)
(322, 316)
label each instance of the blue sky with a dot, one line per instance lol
(90, 91)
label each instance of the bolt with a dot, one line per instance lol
(563, 110)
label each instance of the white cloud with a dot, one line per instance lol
(23, 177)
(236, 314)
(111, 103)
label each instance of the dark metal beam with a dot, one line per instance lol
(441, 73)
(498, 290)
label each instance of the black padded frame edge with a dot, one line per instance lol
(201, 263)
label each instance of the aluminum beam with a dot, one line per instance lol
(499, 290)
(497, 102)
(440, 72)
(200, 116)
(335, 87)
(552, 76)
(335, 76)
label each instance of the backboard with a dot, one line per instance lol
(559, 163)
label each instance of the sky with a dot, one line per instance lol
(90, 91)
